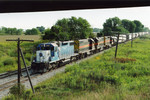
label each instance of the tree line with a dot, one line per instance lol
(15, 31)
(10, 31)
(124, 26)
(79, 28)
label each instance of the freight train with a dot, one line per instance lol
(55, 54)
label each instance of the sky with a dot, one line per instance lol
(96, 17)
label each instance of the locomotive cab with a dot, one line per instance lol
(43, 53)
(46, 53)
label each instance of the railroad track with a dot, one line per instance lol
(7, 74)
(23, 79)
(11, 83)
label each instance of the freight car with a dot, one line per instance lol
(84, 47)
(102, 43)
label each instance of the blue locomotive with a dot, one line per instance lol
(51, 55)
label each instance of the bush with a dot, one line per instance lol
(1, 64)
(8, 61)
(10, 97)
(28, 56)
(2, 54)
(12, 53)
(27, 95)
(15, 90)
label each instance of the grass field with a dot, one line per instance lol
(8, 57)
(30, 37)
(101, 77)
(8, 51)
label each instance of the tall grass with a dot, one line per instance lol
(8, 54)
(103, 77)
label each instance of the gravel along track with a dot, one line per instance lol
(36, 78)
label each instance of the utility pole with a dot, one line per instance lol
(26, 70)
(117, 45)
(19, 64)
(131, 39)
(118, 33)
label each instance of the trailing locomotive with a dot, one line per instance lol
(54, 54)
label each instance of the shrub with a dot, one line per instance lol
(27, 95)
(15, 90)
(38, 88)
(28, 56)
(1, 64)
(2, 54)
(12, 53)
(8, 61)
(10, 97)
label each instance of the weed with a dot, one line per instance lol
(16, 91)
(8, 61)
(124, 60)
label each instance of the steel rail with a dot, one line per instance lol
(7, 74)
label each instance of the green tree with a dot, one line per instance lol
(63, 36)
(85, 28)
(96, 30)
(49, 35)
(146, 29)
(19, 32)
(64, 24)
(32, 31)
(92, 35)
(128, 25)
(76, 28)
(11, 31)
(79, 28)
(100, 34)
(3, 30)
(139, 26)
(56, 29)
(41, 29)
(112, 25)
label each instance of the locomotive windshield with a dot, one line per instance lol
(41, 47)
(45, 47)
